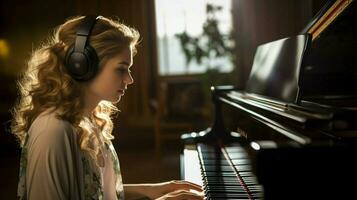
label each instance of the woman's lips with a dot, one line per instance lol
(121, 92)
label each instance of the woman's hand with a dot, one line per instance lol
(174, 190)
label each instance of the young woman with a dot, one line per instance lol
(63, 117)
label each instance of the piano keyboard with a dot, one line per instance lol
(224, 172)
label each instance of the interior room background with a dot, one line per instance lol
(154, 110)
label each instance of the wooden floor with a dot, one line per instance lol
(138, 159)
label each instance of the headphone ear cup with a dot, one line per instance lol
(93, 63)
(82, 66)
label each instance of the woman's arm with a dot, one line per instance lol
(165, 190)
(50, 172)
(135, 191)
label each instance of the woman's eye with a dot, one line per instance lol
(121, 70)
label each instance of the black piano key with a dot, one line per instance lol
(216, 196)
(232, 191)
(256, 193)
(240, 161)
(212, 183)
(242, 192)
(217, 171)
(209, 181)
(210, 164)
(256, 188)
(221, 183)
(220, 155)
(232, 188)
(221, 162)
(217, 168)
(243, 168)
(247, 173)
(227, 195)
(215, 174)
(239, 155)
(250, 179)
(224, 162)
(243, 173)
(212, 156)
(226, 187)
(228, 180)
(218, 174)
(216, 183)
(235, 150)
(223, 187)
(207, 148)
(249, 183)
(222, 178)
(215, 162)
(227, 198)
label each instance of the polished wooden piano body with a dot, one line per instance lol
(293, 133)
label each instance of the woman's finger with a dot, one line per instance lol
(183, 194)
(186, 185)
(176, 192)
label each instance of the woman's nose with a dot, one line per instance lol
(129, 80)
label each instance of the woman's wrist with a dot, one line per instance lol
(137, 191)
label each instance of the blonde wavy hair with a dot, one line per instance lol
(46, 85)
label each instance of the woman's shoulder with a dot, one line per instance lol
(49, 122)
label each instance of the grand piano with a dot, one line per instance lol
(291, 133)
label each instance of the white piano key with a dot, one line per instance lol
(192, 171)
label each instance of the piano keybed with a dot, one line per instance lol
(226, 172)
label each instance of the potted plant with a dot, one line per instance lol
(211, 44)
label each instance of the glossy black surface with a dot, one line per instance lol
(297, 120)
(329, 72)
(276, 68)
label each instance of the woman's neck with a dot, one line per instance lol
(90, 103)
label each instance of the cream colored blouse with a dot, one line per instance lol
(53, 166)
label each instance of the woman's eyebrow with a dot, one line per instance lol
(124, 63)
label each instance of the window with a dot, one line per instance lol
(176, 16)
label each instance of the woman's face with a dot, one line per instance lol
(113, 78)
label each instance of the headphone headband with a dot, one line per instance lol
(84, 31)
(81, 59)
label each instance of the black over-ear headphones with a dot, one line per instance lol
(81, 60)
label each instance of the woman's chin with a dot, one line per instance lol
(114, 99)
(117, 99)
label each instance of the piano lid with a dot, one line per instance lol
(329, 72)
(329, 12)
